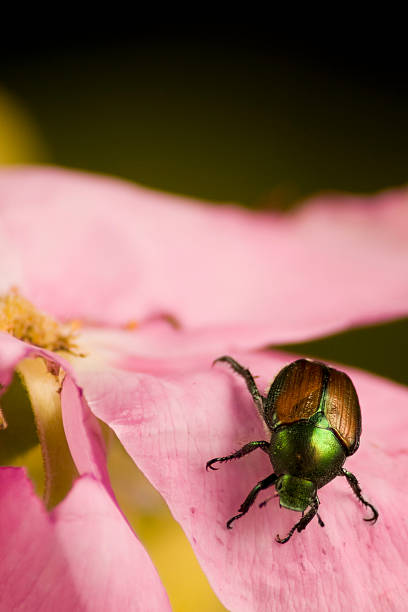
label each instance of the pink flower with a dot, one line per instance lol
(200, 281)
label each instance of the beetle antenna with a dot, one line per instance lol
(268, 499)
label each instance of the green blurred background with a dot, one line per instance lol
(239, 116)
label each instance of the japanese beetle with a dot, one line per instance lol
(313, 414)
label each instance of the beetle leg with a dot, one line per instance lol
(303, 523)
(249, 379)
(320, 520)
(248, 448)
(353, 482)
(247, 503)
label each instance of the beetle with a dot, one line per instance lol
(313, 414)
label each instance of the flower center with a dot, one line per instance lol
(22, 320)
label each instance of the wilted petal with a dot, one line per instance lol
(82, 431)
(83, 556)
(106, 251)
(172, 423)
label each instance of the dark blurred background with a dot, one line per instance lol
(236, 114)
(249, 115)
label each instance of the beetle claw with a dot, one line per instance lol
(223, 358)
(210, 466)
(375, 514)
(372, 519)
(283, 540)
(232, 520)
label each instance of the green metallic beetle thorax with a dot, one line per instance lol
(307, 451)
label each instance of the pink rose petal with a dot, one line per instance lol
(83, 556)
(109, 252)
(83, 434)
(172, 422)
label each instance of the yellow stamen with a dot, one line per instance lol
(21, 319)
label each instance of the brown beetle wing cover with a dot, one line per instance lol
(342, 409)
(296, 392)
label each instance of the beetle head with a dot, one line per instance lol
(295, 493)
